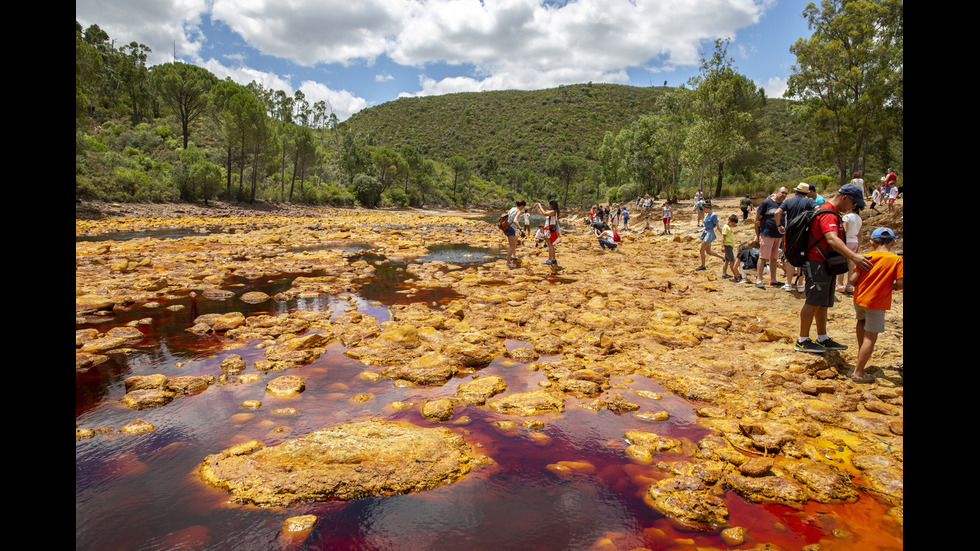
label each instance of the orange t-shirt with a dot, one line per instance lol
(874, 289)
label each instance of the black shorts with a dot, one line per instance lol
(510, 231)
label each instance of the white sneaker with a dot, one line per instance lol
(788, 287)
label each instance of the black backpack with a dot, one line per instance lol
(797, 242)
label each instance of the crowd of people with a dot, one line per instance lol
(833, 262)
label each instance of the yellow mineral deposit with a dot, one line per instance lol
(783, 427)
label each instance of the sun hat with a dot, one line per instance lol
(802, 188)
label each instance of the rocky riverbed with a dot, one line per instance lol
(781, 427)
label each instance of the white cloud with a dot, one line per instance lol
(164, 26)
(341, 102)
(497, 44)
(774, 87)
(244, 75)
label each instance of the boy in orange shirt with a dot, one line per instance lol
(873, 295)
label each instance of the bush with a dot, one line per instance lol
(395, 197)
(367, 190)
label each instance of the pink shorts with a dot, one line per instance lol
(769, 247)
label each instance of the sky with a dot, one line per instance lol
(355, 54)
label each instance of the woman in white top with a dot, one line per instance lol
(551, 227)
(852, 232)
(511, 232)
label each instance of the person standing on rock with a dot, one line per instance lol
(728, 242)
(745, 205)
(826, 235)
(511, 232)
(789, 209)
(873, 296)
(768, 235)
(525, 222)
(551, 227)
(708, 235)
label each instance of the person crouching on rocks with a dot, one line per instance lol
(607, 238)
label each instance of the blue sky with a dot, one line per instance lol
(358, 53)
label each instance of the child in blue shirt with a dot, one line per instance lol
(708, 234)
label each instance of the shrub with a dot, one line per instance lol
(395, 197)
(367, 190)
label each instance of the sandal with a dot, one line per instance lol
(865, 378)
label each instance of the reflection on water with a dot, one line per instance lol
(165, 233)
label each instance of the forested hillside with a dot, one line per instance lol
(175, 132)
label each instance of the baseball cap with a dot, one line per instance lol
(854, 192)
(883, 232)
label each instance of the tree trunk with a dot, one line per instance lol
(721, 166)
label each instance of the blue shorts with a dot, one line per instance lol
(708, 236)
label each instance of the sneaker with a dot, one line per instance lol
(744, 280)
(760, 284)
(549, 262)
(700, 269)
(726, 276)
(511, 264)
(809, 346)
(788, 287)
(801, 288)
(831, 344)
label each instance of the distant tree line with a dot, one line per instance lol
(175, 131)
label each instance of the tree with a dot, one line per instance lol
(183, 88)
(674, 119)
(611, 161)
(723, 103)
(135, 79)
(305, 154)
(244, 120)
(88, 67)
(219, 96)
(367, 190)
(388, 164)
(848, 75)
(261, 131)
(354, 156)
(207, 176)
(461, 171)
(565, 168)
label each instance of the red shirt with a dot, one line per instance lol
(822, 224)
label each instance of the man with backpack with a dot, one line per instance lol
(826, 237)
(801, 201)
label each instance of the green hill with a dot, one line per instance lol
(521, 129)
(518, 128)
